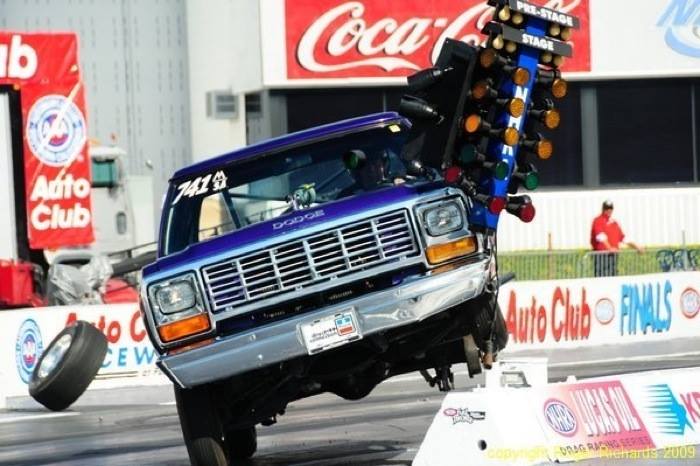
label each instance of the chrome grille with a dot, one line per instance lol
(310, 260)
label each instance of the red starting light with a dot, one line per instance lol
(527, 213)
(453, 175)
(496, 205)
(522, 208)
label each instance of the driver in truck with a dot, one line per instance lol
(369, 169)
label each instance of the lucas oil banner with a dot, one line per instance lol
(44, 68)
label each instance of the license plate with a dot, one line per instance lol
(331, 331)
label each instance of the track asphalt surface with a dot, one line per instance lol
(139, 426)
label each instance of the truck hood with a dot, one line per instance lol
(285, 225)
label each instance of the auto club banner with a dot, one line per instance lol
(44, 68)
(378, 39)
(584, 312)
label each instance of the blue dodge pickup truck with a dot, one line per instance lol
(314, 262)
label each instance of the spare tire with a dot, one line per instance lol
(68, 365)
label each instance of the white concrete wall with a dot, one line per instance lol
(223, 43)
(650, 217)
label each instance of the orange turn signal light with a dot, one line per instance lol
(195, 345)
(184, 328)
(446, 251)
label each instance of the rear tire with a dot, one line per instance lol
(201, 426)
(482, 323)
(78, 352)
(241, 444)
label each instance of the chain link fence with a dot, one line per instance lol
(550, 265)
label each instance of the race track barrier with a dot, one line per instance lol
(589, 312)
(649, 415)
(25, 333)
(540, 315)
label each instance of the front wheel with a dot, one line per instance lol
(201, 426)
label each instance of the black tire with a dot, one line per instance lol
(206, 451)
(482, 322)
(241, 444)
(201, 426)
(75, 369)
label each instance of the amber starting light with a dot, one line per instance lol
(516, 107)
(559, 88)
(521, 76)
(480, 89)
(472, 124)
(487, 58)
(552, 119)
(443, 252)
(184, 328)
(544, 149)
(511, 136)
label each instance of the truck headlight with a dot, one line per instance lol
(442, 219)
(175, 296)
(177, 307)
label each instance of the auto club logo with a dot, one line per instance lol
(56, 130)
(28, 348)
(690, 302)
(560, 417)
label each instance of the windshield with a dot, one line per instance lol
(239, 195)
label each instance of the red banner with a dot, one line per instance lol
(376, 38)
(44, 67)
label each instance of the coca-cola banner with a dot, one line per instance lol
(379, 39)
(44, 67)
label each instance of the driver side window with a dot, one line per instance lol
(214, 217)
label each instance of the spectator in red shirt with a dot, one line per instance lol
(606, 235)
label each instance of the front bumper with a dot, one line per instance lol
(416, 299)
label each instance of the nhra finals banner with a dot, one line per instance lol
(379, 39)
(44, 67)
